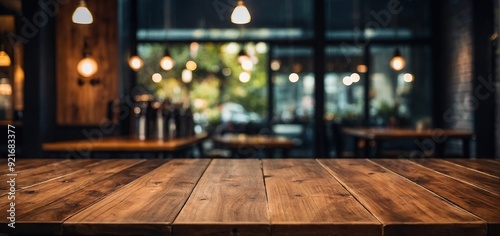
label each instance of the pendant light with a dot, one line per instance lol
(397, 62)
(242, 56)
(82, 14)
(87, 67)
(167, 63)
(240, 14)
(4, 57)
(135, 62)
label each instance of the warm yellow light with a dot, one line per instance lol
(135, 62)
(293, 77)
(167, 63)
(156, 77)
(187, 76)
(247, 65)
(408, 77)
(191, 65)
(355, 77)
(362, 68)
(4, 59)
(82, 14)
(244, 77)
(275, 65)
(398, 62)
(242, 57)
(87, 67)
(347, 80)
(240, 14)
(5, 88)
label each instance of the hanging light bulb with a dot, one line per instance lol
(82, 14)
(167, 63)
(135, 62)
(240, 14)
(397, 62)
(4, 58)
(87, 67)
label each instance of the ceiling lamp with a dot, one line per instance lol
(167, 63)
(243, 57)
(4, 58)
(240, 14)
(82, 14)
(135, 62)
(397, 62)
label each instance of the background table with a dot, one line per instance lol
(255, 197)
(126, 144)
(249, 145)
(436, 136)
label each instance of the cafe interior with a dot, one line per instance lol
(289, 117)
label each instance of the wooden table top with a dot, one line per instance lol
(244, 140)
(255, 197)
(125, 144)
(396, 133)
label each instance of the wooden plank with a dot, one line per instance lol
(464, 174)
(36, 175)
(304, 199)
(146, 206)
(25, 164)
(482, 165)
(403, 207)
(229, 199)
(35, 211)
(475, 200)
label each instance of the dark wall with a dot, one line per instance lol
(465, 66)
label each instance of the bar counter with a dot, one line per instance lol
(254, 197)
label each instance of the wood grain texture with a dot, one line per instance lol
(464, 174)
(401, 205)
(124, 144)
(475, 200)
(42, 173)
(304, 199)
(35, 211)
(146, 206)
(231, 195)
(86, 104)
(482, 165)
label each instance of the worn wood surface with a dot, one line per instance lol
(473, 199)
(255, 197)
(124, 144)
(464, 174)
(482, 165)
(304, 199)
(231, 195)
(404, 207)
(146, 206)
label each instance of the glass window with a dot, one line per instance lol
(400, 97)
(293, 80)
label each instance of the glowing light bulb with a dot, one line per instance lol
(355, 77)
(135, 62)
(167, 63)
(293, 77)
(244, 77)
(87, 67)
(247, 65)
(82, 14)
(398, 62)
(240, 14)
(275, 65)
(347, 80)
(4, 59)
(362, 68)
(407, 77)
(191, 65)
(187, 76)
(156, 77)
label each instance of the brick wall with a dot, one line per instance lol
(457, 15)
